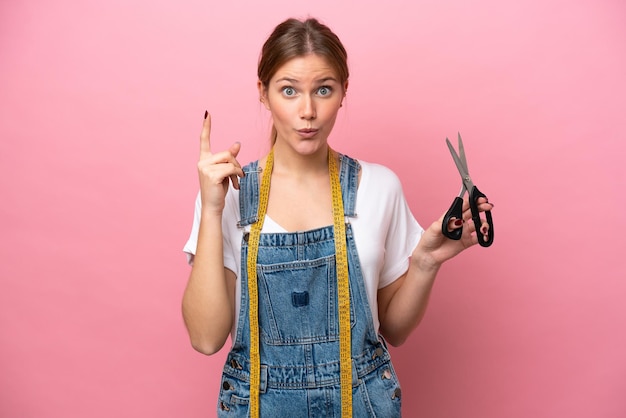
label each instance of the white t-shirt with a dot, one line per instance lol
(385, 232)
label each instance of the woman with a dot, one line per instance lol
(309, 315)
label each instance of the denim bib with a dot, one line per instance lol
(298, 322)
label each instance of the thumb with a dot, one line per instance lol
(235, 148)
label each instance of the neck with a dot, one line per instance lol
(287, 161)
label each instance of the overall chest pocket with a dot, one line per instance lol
(298, 302)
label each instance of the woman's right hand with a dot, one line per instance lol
(216, 170)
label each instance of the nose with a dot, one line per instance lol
(307, 108)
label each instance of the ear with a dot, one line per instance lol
(345, 91)
(263, 94)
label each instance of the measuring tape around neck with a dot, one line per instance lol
(343, 289)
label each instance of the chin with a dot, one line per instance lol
(305, 146)
(310, 146)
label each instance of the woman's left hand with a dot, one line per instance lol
(435, 248)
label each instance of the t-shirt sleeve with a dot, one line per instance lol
(229, 222)
(403, 234)
(190, 247)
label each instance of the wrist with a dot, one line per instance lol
(208, 213)
(424, 261)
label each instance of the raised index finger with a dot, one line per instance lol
(205, 135)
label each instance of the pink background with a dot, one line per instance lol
(100, 111)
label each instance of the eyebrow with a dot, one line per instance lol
(294, 81)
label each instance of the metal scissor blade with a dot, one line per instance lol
(460, 164)
(462, 153)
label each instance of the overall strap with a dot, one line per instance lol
(349, 179)
(249, 195)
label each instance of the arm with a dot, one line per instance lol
(402, 304)
(209, 298)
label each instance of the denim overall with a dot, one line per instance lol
(298, 323)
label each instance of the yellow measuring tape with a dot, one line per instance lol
(341, 258)
(343, 289)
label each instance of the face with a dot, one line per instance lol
(304, 96)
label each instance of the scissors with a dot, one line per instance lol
(456, 210)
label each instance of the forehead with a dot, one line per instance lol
(307, 67)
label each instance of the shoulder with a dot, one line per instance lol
(374, 175)
(377, 168)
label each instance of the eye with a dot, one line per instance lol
(324, 90)
(289, 91)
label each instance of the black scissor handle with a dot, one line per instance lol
(455, 211)
(474, 195)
